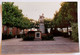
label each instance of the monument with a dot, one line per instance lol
(41, 24)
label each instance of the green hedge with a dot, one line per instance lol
(75, 32)
(28, 38)
(47, 37)
(19, 36)
(5, 36)
(65, 34)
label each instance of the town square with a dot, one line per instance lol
(39, 27)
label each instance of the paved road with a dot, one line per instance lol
(59, 45)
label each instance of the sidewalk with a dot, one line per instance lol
(59, 45)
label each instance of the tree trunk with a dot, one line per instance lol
(46, 31)
(51, 30)
(23, 31)
(67, 30)
(16, 32)
(62, 29)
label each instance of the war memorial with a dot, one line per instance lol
(38, 28)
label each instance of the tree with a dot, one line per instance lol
(48, 24)
(12, 16)
(66, 16)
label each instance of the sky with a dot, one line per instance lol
(33, 10)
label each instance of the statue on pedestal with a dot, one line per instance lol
(41, 24)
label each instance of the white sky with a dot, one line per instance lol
(34, 9)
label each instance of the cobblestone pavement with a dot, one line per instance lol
(59, 45)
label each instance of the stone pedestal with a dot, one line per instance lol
(37, 36)
(41, 27)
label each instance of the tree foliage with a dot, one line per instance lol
(48, 23)
(12, 16)
(66, 15)
(75, 32)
